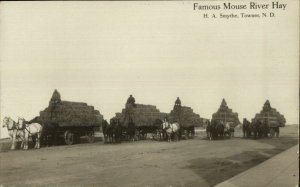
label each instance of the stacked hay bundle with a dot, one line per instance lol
(185, 116)
(225, 114)
(66, 113)
(271, 115)
(142, 115)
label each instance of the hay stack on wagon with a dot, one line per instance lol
(271, 115)
(226, 114)
(185, 116)
(141, 114)
(67, 114)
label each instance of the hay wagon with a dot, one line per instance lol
(187, 119)
(226, 115)
(68, 121)
(271, 118)
(146, 118)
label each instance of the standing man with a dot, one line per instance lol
(177, 102)
(55, 99)
(130, 101)
(129, 109)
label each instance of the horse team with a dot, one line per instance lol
(22, 131)
(218, 129)
(115, 132)
(259, 129)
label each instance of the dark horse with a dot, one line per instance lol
(219, 129)
(264, 128)
(116, 130)
(130, 131)
(246, 125)
(209, 130)
(215, 130)
(255, 129)
(274, 131)
(108, 131)
(105, 127)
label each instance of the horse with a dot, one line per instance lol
(262, 129)
(14, 133)
(162, 132)
(108, 130)
(265, 129)
(229, 129)
(171, 129)
(217, 129)
(274, 131)
(255, 129)
(30, 130)
(209, 130)
(117, 131)
(157, 130)
(246, 124)
(105, 131)
(131, 130)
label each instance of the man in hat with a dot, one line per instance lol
(177, 102)
(55, 99)
(130, 101)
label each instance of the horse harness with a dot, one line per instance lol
(24, 128)
(14, 126)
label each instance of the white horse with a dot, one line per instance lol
(170, 128)
(14, 133)
(228, 129)
(31, 130)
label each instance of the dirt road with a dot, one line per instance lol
(196, 162)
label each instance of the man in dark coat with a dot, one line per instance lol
(131, 100)
(177, 102)
(55, 97)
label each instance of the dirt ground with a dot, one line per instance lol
(197, 162)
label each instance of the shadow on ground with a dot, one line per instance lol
(216, 170)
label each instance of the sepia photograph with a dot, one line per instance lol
(149, 93)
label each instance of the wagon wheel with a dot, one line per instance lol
(69, 137)
(90, 136)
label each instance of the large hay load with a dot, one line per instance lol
(72, 119)
(146, 119)
(225, 114)
(271, 116)
(185, 116)
(187, 119)
(66, 114)
(142, 115)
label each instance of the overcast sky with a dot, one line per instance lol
(101, 52)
